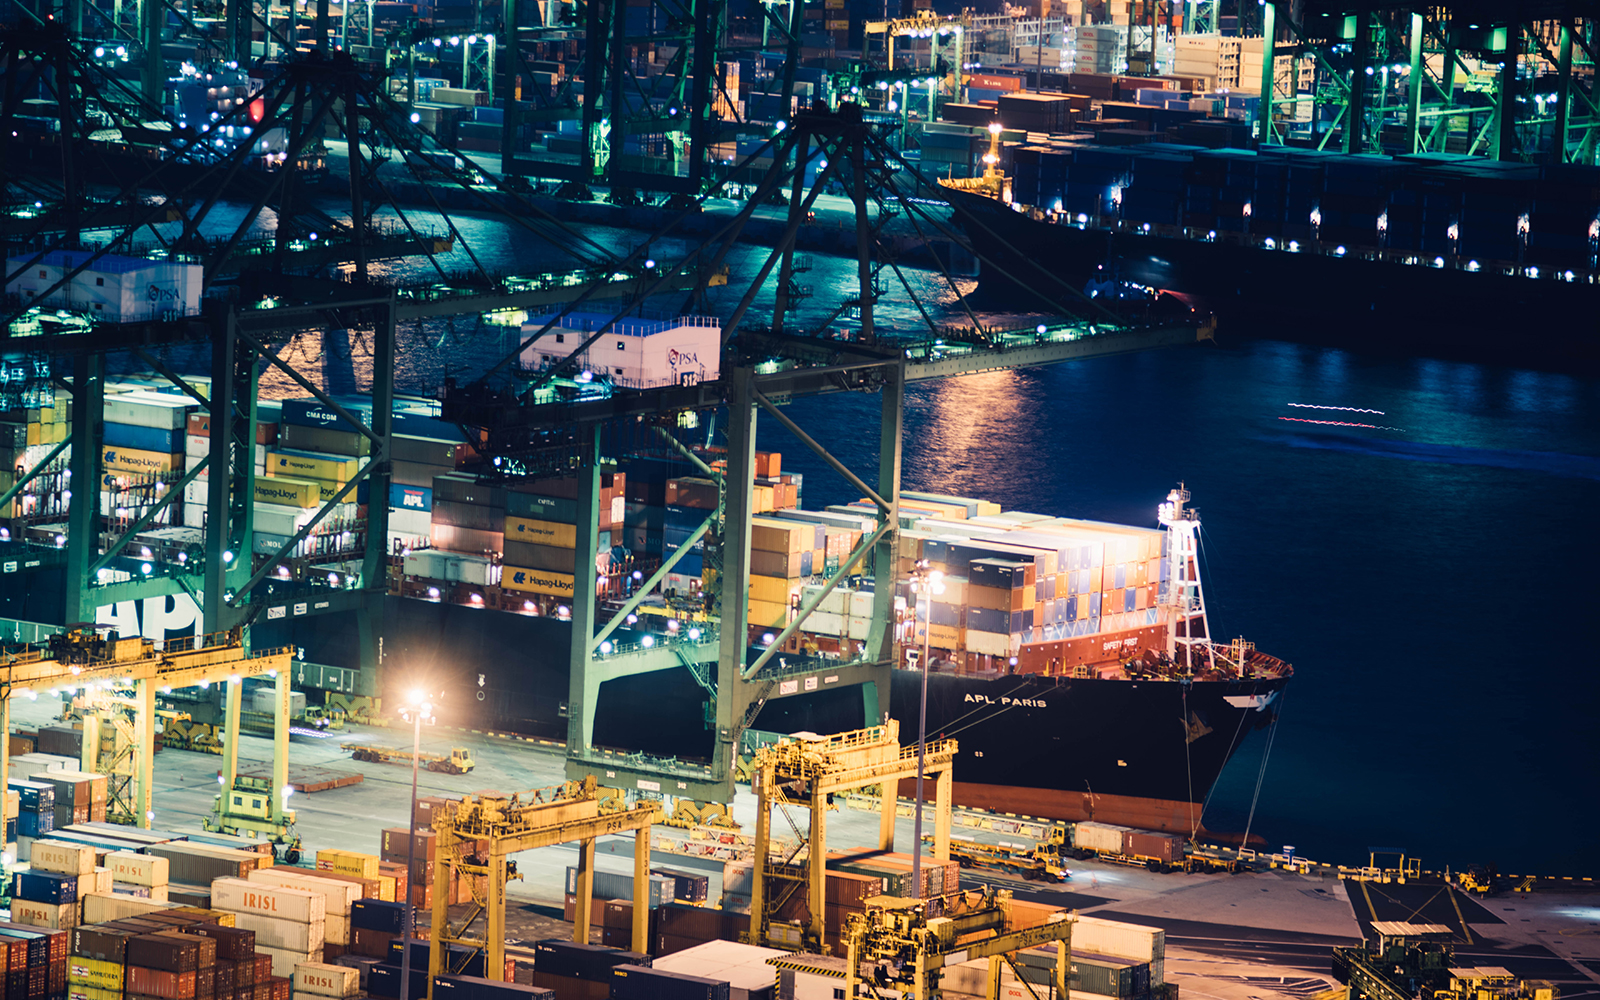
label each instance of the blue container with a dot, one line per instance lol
(143, 438)
(988, 620)
(377, 915)
(35, 824)
(384, 981)
(33, 795)
(45, 887)
(404, 497)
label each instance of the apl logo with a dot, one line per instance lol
(409, 499)
(161, 616)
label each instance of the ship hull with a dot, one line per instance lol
(1316, 297)
(1139, 753)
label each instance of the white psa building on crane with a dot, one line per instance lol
(112, 288)
(634, 353)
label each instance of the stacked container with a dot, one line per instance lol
(35, 960)
(358, 865)
(541, 530)
(419, 854)
(36, 807)
(289, 924)
(47, 895)
(143, 875)
(373, 924)
(142, 445)
(338, 897)
(579, 971)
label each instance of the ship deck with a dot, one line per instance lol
(1229, 937)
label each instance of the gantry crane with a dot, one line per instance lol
(905, 948)
(823, 766)
(82, 658)
(560, 815)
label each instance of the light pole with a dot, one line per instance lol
(925, 582)
(418, 708)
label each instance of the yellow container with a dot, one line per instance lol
(773, 589)
(782, 536)
(386, 888)
(536, 581)
(348, 863)
(91, 993)
(769, 615)
(289, 492)
(328, 468)
(526, 529)
(144, 462)
(92, 973)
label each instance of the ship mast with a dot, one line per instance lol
(1181, 593)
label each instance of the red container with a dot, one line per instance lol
(161, 983)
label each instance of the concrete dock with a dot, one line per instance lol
(1229, 937)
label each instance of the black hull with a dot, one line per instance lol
(1142, 753)
(1314, 297)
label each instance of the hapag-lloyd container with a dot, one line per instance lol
(279, 902)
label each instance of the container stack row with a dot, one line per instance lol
(80, 797)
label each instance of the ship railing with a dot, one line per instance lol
(1355, 251)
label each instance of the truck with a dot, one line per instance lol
(457, 761)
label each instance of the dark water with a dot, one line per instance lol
(1429, 576)
(1428, 582)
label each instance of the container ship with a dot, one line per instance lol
(1458, 248)
(1070, 658)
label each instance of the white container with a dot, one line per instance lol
(836, 603)
(410, 523)
(336, 929)
(61, 856)
(284, 960)
(294, 939)
(196, 445)
(278, 519)
(1102, 837)
(1120, 940)
(323, 980)
(55, 916)
(243, 896)
(338, 895)
(861, 603)
(99, 880)
(99, 908)
(148, 409)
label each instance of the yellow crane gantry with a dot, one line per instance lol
(822, 766)
(83, 659)
(559, 815)
(897, 933)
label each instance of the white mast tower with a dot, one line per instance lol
(1181, 594)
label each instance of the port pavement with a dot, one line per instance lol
(1230, 937)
